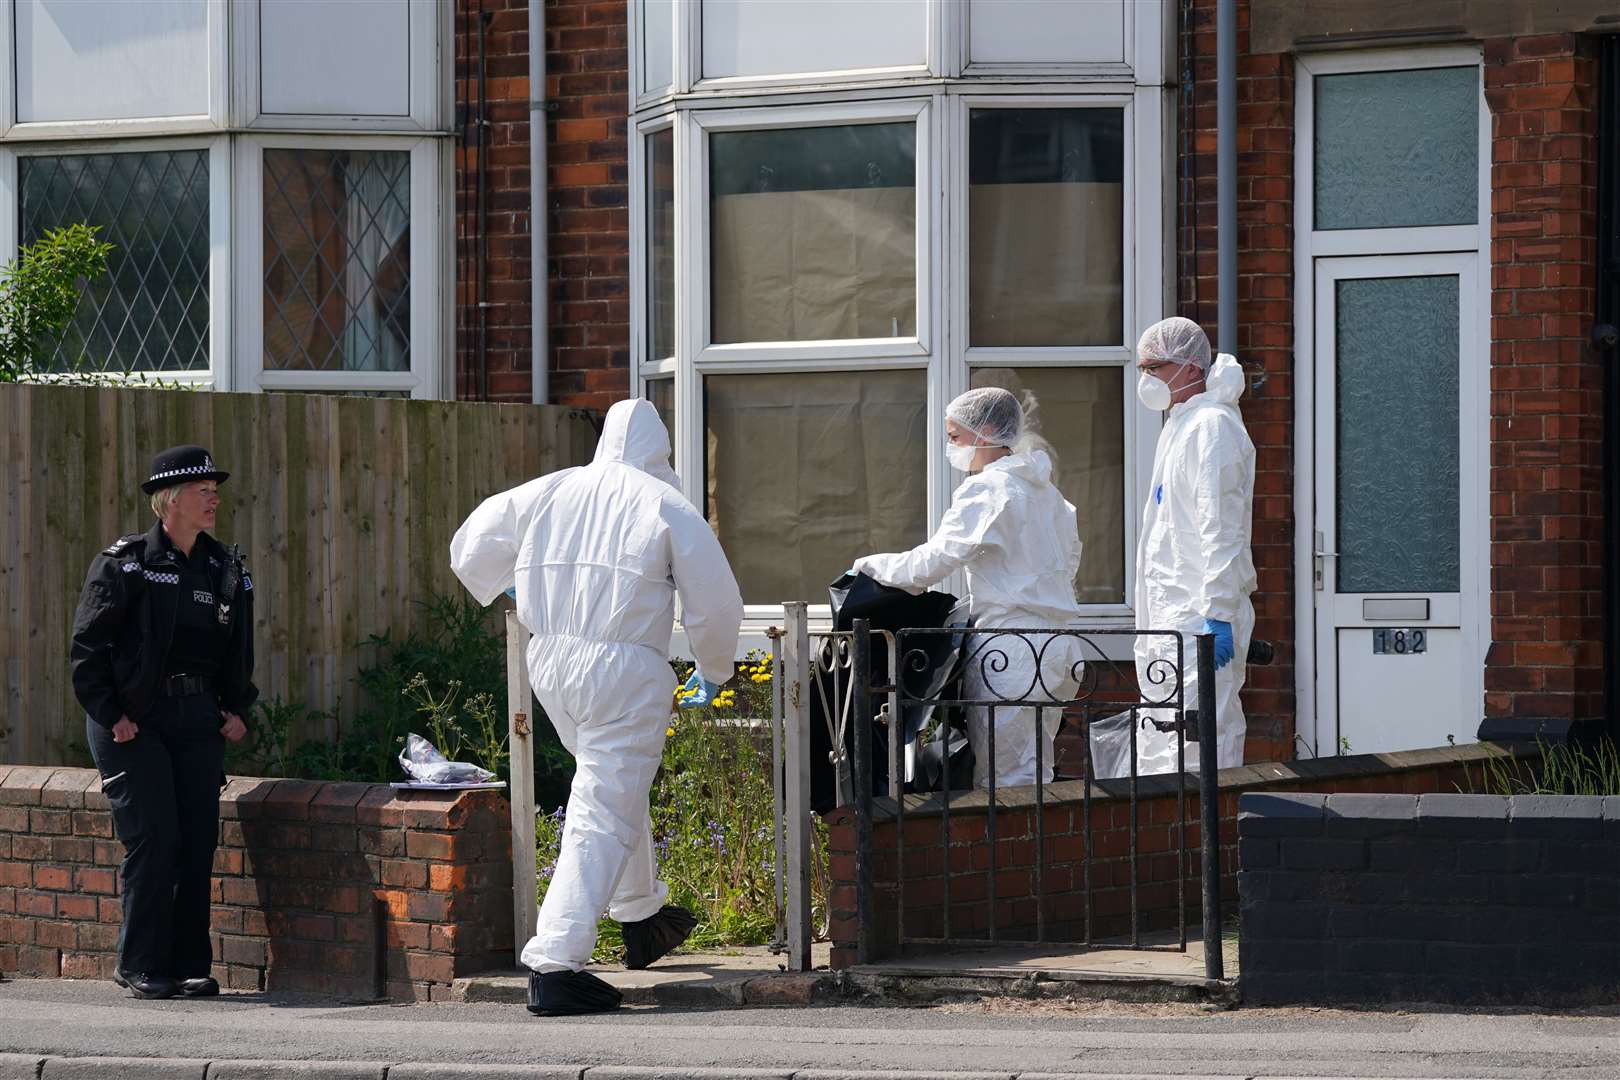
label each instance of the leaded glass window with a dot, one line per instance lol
(337, 269)
(149, 312)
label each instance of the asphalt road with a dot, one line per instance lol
(84, 1019)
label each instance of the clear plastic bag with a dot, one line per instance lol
(1111, 746)
(423, 763)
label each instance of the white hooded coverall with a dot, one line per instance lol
(598, 554)
(1193, 560)
(1018, 540)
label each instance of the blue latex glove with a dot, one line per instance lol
(1224, 650)
(704, 691)
(512, 592)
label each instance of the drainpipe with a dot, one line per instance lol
(1226, 174)
(539, 219)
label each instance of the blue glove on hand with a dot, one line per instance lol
(512, 592)
(1224, 650)
(698, 691)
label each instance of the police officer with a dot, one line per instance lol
(163, 664)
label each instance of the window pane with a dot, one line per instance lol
(337, 260)
(814, 233)
(1081, 414)
(805, 473)
(661, 244)
(1398, 367)
(661, 392)
(1046, 217)
(657, 45)
(1397, 148)
(149, 312)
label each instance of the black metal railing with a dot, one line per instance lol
(1037, 672)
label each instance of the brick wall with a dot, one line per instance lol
(348, 889)
(1069, 858)
(1265, 192)
(1438, 897)
(1546, 399)
(587, 155)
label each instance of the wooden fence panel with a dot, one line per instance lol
(343, 507)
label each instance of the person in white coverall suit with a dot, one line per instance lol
(1194, 570)
(598, 555)
(1018, 540)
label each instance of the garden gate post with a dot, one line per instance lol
(797, 824)
(520, 746)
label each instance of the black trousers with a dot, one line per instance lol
(164, 789)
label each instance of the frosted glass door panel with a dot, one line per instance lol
(657, 45)
(1398, 457)
(1397, 148)
(111, 59)
(313, 67)
(1046, 31)
(783, 37)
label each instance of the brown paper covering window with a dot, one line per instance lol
(805, 473)
(814, 265)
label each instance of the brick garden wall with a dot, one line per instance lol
(1068, 859)
(1546, 398)
(587, 60)
(1438, 897)
(341, 889)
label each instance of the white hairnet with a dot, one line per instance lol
(991, 412)
(1177, 340)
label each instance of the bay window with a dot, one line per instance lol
(864, 229)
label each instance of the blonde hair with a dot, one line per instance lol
(162, 498)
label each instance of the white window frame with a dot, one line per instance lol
(431, 92)
(640, 241)
(1143, 301)
(689, 69)
(217, 117)
(429, 360)
(220, 182)
(1310, 245)
(1143, 22)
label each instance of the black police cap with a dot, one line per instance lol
(182, 465)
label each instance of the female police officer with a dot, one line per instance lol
(163, 665)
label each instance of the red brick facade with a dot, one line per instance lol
(1546, 398)
(587, 154)
(1265, 192)
(350, 889)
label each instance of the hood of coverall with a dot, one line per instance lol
(633, 435)
(1225, 382)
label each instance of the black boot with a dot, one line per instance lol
(570, 993)
(657, 936)
(143, 985)
(206, 986)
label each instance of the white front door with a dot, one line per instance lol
(1398, 570)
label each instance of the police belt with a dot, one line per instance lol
(185, 685)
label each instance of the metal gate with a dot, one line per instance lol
(837, 667)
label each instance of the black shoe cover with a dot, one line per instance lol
(651, 938)
(570, 993)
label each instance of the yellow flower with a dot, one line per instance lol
(669, 733)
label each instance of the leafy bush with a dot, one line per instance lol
(447, 681)
(1559, 769)
(712, 814)
(39, 292)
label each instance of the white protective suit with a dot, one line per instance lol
(1193, 560)
(598, 554)
(1018, 539)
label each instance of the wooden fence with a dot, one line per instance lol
(343, 507)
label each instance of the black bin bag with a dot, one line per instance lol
(856, 596)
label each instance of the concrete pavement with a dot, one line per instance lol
(91, 1030)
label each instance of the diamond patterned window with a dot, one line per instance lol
(337, 260)
(149, 312)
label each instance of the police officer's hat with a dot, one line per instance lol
(182, 465)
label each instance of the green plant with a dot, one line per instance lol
(39, 291)
(479, 732)
(712, 815)
(1558, 769)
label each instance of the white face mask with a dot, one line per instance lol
(960, 457)
(1153, 392)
